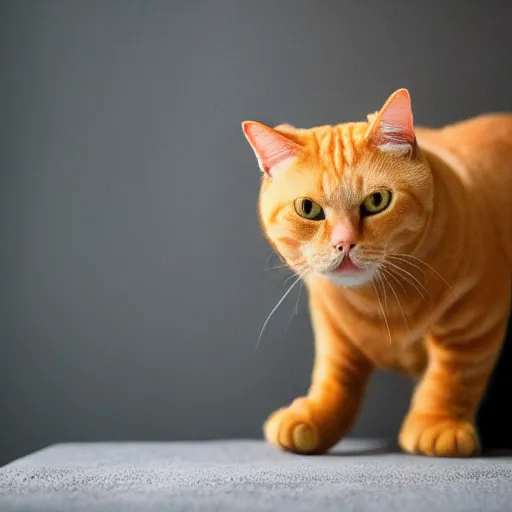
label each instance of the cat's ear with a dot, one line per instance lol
(391, 129)
(271, 148)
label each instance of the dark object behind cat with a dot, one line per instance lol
(494, 420)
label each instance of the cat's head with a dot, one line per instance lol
(335, 200)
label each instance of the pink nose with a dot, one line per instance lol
(345, 247)
(344, 235)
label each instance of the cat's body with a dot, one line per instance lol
(482, 160)
(421, 286)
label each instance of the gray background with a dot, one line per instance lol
(133, 283)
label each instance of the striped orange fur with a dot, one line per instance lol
(403, 237)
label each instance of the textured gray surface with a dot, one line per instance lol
(250, 475)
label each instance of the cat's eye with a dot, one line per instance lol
(376, 202)
(308, 209)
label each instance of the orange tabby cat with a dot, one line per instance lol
(403, 237)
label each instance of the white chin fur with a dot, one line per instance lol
(351, 279)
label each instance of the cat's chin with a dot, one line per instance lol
(351, 279)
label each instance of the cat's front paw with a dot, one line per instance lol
(438, 436)
(292, 429)
(295, 429)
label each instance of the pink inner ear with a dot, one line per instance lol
(271, 148)
(394, 123)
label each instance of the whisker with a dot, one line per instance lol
(403, 260)
(430, 267)
(302, 272)
(392, 271)
(398, 300)
(372, 252)
(298, 298)
(288, 278)
(398, 255)
(296, 308)
(267, 261)
(383, 268)
(275, 308)
(385, 257)
(405, 278)
(384, 290)
(283, 265)
(383, 314)
(409, 274)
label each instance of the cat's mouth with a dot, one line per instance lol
(347, 266)
(348, 272)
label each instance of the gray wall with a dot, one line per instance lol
(133, 285)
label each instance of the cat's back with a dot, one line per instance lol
(480, 151)
(483, 144)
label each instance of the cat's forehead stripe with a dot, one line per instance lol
(336, 147)
(347, 136)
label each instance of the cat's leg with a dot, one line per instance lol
(441, 420)
(314, 423)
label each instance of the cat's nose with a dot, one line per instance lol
(344, 235)
(345, 247)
